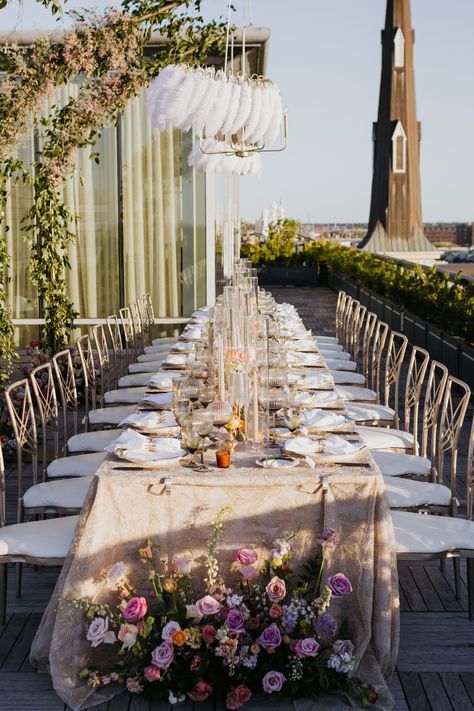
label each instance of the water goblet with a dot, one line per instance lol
(273, 399)
(191, 440)
(202, 421)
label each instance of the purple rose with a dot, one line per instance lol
(343, 647)
(135, 610)
(168, 629)
(339, 585)
(163, 655)
(273, 681)
(208, 605)
(246, 557)
(307, 647)
(270, 637)
(234, 622)
(325, 626)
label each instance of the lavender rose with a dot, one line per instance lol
(276, 589)
(246, 557)
(343, 647)
(328, 539)
(163, 655)
(234, 622)
(307, 647)
(339, 585)
(273, 681)
(135, 610)
(168, 629)
(98, 632)
(270, 637)
(207, 605)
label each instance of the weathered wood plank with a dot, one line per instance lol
(408, 585)
(120, 702)
(21, 648)
(435, 692)
(467, 679)
(398, 695)
(414, 692)
(428, 593)
(442, 587)
(456, 692)
(13, 630)
(28, 692)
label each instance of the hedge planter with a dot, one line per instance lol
(288, 276)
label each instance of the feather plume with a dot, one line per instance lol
(200, 116)
(265, 115)
(274, 127)
(254, 117)
(196, 99)
(220, 108)
(234, 103)
(245, 107)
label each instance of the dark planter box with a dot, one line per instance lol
(434, 342)
(393, 316)
(466, 364)
(288, 276)
(451, 356)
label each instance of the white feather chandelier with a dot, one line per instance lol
(235, 117)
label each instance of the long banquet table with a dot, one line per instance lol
(126, 505)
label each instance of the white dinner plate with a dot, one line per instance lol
(277, 462)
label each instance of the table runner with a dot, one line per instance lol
(124, 507)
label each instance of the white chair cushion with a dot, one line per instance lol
(150, 367)
(345, 365)
(385, 438)
(125, 395)
(92, 441)
(77, 465)
(346, 393)
(50, 538)
(407, 493)
(370, 411)
(137, 379)
(400, 464)
(161, 348)
(151, 357)
(110, 415)
(345, 378)
(64, 493)
(162, 341)
(415, 533)
(326, 339)
(334, 355)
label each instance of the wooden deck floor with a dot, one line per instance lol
(435, 670)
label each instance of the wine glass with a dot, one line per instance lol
(258, 430)
(291, 417)
(273, 399)
(206, 394)
(222, 412)
(181, 408)
(277, 377)
(191, 440)
(202, 421)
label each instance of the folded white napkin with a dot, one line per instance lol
(294, 378)
(163, 381)
(152, 421)
(339, 445)
(321, 398)
(311, 359)
(315, 381)
(301, 445)
(303, 345)
(128, 439)
(322, 418)
(191, 333)
(148, 449)
(175, 359)
(159, 399)
(183, 346)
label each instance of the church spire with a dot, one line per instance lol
(395, 221)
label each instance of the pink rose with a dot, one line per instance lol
(276, 589)
(200, 691)
(246, 556)
(209, 633)
(307, 647)
(276, 611)
(128, 635)
(163, 655)
(207, 605)
(237, 697)
(136, 609)
(151, 673)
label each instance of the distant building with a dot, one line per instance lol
(461, 233)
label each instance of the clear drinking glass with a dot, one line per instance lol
(202, 421)
(191, 440)
(273, 399)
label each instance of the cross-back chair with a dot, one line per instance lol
(44, 389)
(118, 353)
(86, 355)
(128, 334)
(64, 372)
(103, 357)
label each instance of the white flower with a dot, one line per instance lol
(98, 632)
(128, 635)
(168, 629)
(193, 613)
(172, 699)
(115, 575)
(234, 600)
(183, 563)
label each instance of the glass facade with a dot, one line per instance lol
(140, 222)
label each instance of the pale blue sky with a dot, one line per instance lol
(325, 57)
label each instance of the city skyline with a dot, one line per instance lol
(326, 59)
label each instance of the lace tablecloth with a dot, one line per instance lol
(126, 506)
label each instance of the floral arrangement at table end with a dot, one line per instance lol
(272, 634)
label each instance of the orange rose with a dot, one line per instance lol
(179, 638)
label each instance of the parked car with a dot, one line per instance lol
(455, 256)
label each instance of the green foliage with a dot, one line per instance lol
(279, 247)
(446, 301)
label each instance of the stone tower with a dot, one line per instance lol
(395, 221)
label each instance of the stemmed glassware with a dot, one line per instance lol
(273, 399)
(206, 394)
(202, 421)
(191, 440)
(291, 417)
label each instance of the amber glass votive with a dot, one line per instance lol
(223, 458)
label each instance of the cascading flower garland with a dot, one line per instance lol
(109, 51)
(272, 633)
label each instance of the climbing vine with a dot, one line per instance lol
(108, 51)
